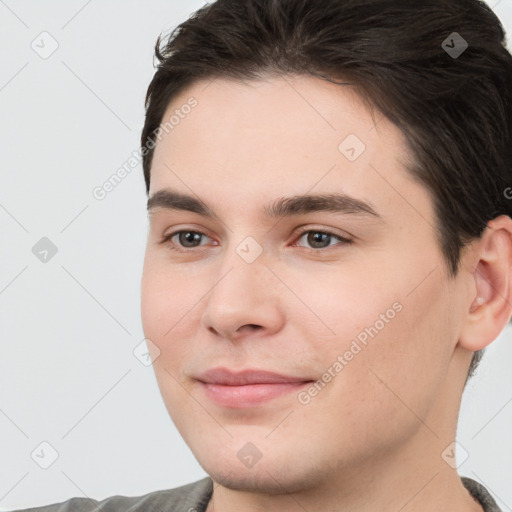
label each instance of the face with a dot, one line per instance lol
(351, 304)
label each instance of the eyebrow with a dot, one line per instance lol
(282, 207)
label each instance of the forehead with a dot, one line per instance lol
(255, 141)
(307, 114)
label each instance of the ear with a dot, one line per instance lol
(491, 302)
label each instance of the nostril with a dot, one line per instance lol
(251, 327)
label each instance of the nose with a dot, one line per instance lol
(243, 301)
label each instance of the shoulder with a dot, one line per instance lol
(191, 497)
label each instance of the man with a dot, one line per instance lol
(329, 249)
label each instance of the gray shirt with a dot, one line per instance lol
(194, 497)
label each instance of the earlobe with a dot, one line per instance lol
(491, 307)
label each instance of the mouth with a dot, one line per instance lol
(247, 388)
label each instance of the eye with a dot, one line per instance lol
(186, 239)
(319, 239)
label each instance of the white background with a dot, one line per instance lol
(68, 375)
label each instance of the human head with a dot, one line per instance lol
(270, 131)
(456, 113)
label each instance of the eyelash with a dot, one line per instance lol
(174, 247)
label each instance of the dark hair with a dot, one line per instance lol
(404, 58)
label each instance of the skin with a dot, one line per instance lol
(373, 437)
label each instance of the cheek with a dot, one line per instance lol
(166, 306)
(345, 300)
(168, 296)
(171, 305)
(391, 336)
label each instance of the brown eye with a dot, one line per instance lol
(184, 240)
(321, 239)
(189, 238)
(318, 240)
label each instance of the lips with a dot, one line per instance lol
(226, 377)
(247, 388)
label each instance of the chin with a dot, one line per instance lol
(268, 476)
(260, 481)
